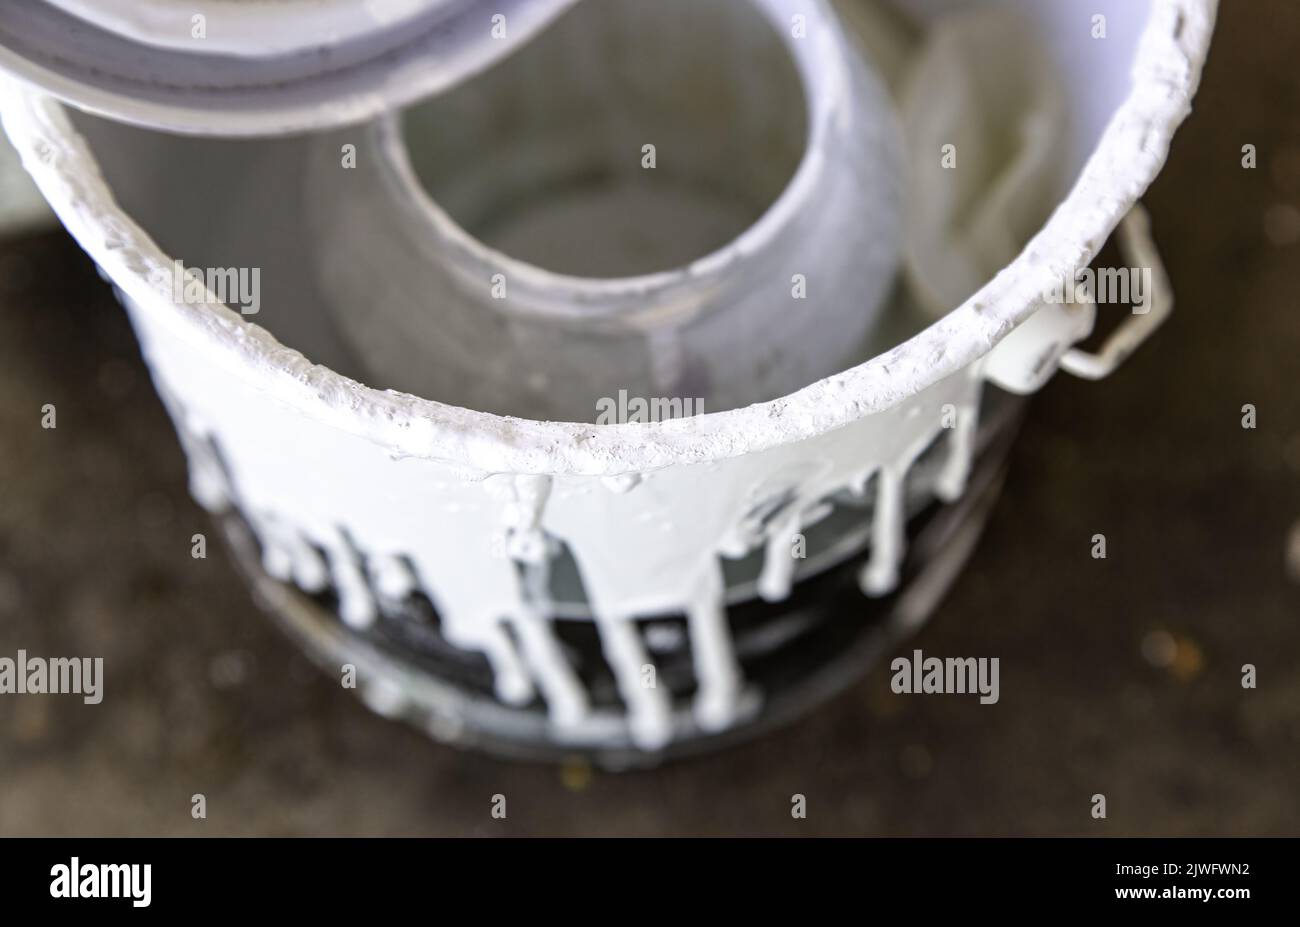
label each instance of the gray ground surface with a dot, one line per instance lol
(206, 696)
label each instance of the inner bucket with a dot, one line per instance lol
(627, 139)
(675, 201)
(514, 247)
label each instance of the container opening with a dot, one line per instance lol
(629, 138)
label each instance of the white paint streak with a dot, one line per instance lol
(648, 707)
(880, 574)
(716, 668)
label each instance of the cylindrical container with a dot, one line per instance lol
(623, 589)
(553, 263)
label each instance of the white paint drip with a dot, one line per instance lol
(775, 581)
(880, 574)
(367, 575)
(393, 578)
(716, 669)
(357, 605)
(565, 696)
(648, 708)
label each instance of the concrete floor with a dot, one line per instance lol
(204, 695)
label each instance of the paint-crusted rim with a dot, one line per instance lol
(1133, 148)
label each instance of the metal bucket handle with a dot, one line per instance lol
(1139, 250)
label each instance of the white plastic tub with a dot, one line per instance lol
(372, 496)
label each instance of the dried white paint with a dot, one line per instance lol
(371, 479)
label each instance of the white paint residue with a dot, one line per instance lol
(951, 481)
(565, 695)
(357, 605)
(382, 494)
(393, 578)
(880, 574)
(716, 668)
(648, 707)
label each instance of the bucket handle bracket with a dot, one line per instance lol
(1139, 252)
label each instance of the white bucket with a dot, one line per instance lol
(378, 496)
